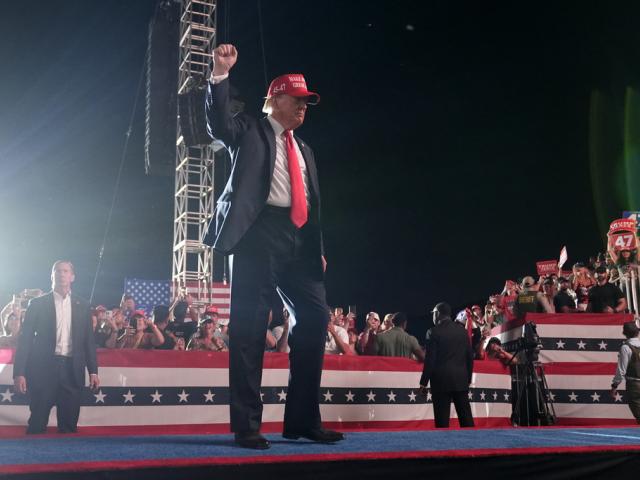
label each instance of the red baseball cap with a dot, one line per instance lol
(292, 84)
(211, 309)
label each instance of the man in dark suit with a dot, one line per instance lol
(56, 344)
(448, 365)
(268, 219)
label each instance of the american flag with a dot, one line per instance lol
(148, 293)
(564, 256)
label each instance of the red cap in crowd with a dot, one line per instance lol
(140, 312)
(211, 309)
(292, 84)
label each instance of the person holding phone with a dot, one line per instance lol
(142, 333)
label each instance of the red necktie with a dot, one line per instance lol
(299, 212)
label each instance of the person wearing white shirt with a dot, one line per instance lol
(55, 346)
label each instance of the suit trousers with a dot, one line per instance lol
(442, 408)
(274, 253)
(60, 390)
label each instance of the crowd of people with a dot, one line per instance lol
(597, 286)
(590, 287)
(184, 326)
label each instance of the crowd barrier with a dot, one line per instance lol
(629, 283)
(162, 391)
(144, 391)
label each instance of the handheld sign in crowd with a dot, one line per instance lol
(622, 235)
(547, 267)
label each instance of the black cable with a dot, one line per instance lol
(227, 31)
(264, 58)
(116, 187)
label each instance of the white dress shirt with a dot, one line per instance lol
(280, 192)
(63, 324)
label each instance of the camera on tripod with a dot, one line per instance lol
(532, 404)
(528, 344)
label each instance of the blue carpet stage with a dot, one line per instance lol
(166, 415)
(551, 452)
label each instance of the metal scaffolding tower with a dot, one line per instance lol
(194, 195)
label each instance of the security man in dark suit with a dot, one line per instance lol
(268, 219)
(55, 346)
(448, 366)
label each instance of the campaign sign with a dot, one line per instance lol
(547, 267)
(624, 224)
(622, 241)
(622, 235)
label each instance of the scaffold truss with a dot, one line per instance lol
(194, 195)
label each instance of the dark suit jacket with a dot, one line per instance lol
(448, 364)
(37, 341)
(251, 143)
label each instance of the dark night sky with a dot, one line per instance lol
(452, 138)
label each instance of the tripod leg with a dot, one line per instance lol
(519, 377)
(549, 410)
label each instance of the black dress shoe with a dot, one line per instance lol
(319, 435)
(67, 430)
(252, 440)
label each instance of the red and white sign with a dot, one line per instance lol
(622, 241)
(547, 267)
(622, 236)
(625, 224)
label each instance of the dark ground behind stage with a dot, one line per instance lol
(541, 453)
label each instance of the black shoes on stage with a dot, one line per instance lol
(256, 441)
(252, 440)
(319, 435)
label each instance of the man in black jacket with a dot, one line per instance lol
(448, 365)
(268, 219)
(56, 344)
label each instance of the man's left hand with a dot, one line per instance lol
(94, 382)
(324, 263)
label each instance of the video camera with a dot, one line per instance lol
(529, 343)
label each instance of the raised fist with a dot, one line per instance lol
(224, 57)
